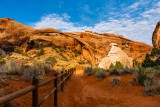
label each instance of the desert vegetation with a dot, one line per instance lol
(146, 73)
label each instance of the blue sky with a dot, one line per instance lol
(134, 19)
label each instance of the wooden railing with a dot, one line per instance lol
(64, 77)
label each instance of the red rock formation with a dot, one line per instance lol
(93, 46)
(156, 36)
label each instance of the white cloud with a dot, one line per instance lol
(138, 29)
(135, 5)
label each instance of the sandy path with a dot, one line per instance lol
(90, 92)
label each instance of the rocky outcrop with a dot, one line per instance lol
(92, 46)
(116, 54)
(156, 36)
(13, 34)
(2, 53)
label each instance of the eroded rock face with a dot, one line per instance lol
(92, 46)
(116, 54)
(13, 34)
(156, 36)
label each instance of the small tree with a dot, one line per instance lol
(118, 65)
(148, 62)
(111, 66)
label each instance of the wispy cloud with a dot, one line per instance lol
(135, 5)
(136, 28)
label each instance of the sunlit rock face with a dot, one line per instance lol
(90, 45)
(116, 54)
(156, 36)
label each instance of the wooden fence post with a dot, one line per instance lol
(56, 92)
(68, 75)
(35, 92)
(62, 85)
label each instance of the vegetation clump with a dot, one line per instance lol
(40, 52)
(88, 71)
(100, 73)
(152, 59)
(17, 50)
(116, 81)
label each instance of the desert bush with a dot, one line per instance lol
(100, 73)
(141, 77)
(113, 71)
(115, 81)
(151, 88)
(2, 62)
(25, 54)
(40, 52)
(4, 80)
(51, 60)
(118, 65)
(111, 66)
(151, 85)
(88, 71)
(28, 71)
(148, 62)
(155, 51)
(134, 81)
(145, 73)
(12, 68)
(129, 70)
(38, 69)
(17, 50)
(136, 64)
(63, 49)
(81, 62)
(116, 69)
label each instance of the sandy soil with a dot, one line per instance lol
(89, 92)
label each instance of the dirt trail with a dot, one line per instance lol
(90, 92)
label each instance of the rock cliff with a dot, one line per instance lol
(91, 45)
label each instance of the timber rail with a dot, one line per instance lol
(63, 77)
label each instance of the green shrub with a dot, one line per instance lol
(116, 81)
(88, 71)
(100, 73)
(40, 52)
(111, 66)
(144, 74)
(81, 62)
(51, 60)
(136, 64)
(148, 62)
(25, 54)
(141, 77)
(12, 68)
(118, 65)
(113, 71)
(63, 49)
(2, 62)
(116, 69)
(151, 88)
(17, 50)
(155, 51)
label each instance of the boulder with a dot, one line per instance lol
(156, 36)
(116, 54)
